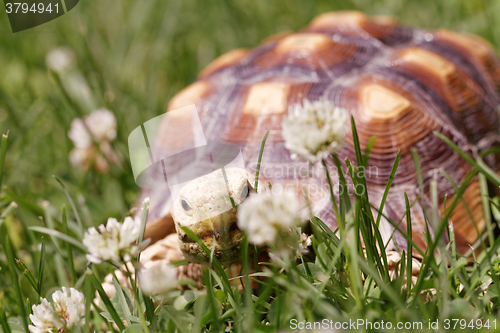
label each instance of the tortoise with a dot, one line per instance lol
(400, 84)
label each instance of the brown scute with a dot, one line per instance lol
(461, 93)
(308, 50)
(400, 84)
(189, 95)
(267, 98)
(225, 60)
(380, 103)
(385, 20)
(339, 18)
(353, 23)
(245, 127)
(476, 49)
(387, 111)
(462, 221)
(277, 36)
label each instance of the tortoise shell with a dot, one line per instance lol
(400, 84)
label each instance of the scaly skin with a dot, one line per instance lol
(203, 205)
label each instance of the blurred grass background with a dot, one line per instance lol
(132, 57)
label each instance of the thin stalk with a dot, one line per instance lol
(9, 253)
(332, 196)
(3, 151)
(257, 173)
(68, 249)
(109, 306)
(3, 319)
(41, 267)
(486, 206)
(136, 298)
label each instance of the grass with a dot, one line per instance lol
(132, 57)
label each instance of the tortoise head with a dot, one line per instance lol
(208, 207)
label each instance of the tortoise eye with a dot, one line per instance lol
(185, 206)
(244, 192)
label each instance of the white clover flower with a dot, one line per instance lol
(44, 318)
(60, 59)
(79, 134)
(156, 277)
(70, 306)
(304, 242)
(68, 311)
(114, 241)
(78, 156)
(91, 137)
(82, 157)
(314, 130)
(265, 216)
(102, 126)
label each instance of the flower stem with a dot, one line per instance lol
(334, 203)
(136, 298)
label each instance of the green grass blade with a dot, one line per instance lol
(123, 301)
(357, 147)
(384, 287)
(3, 151)
(27, 273)
(73, 206)
(479, 166)
(105, 299)
(3, 318)
(60, 270)
(75, 106)
(28, 308)
(342, 181)
(387, 188)
(263, 296)
(41, 267)
(89, 296)
(368, 149)
(489, 151)
(429, 259)
(150, 308)
(466, 206)
(249, 323)
(435, 206)
(418, 170)
(22, 202)
(211, 299)
(402, 232)
(257, 172)
(355, 261)
(68, 249)
(366, 224)
(332, 198)
(11, 260)
(486, 206)
(9, 210)
(218, 266)
(326, 229)
(59, 235)
(144, 219)
(409, 249)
